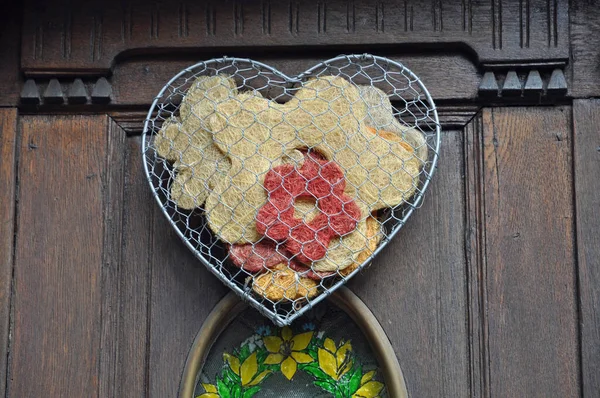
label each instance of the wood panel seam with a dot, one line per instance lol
(497, 37)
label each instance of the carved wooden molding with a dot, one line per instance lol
(88, 39)
(136, 84)
(102, 52)
(476, 257)
(524, 83)
(55, 92)
(450, 116)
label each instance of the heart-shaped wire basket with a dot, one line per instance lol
(286, 187)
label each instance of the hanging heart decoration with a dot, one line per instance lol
(285, 187)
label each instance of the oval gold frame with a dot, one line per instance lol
(230, 307)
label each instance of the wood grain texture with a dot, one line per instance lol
(586, 119)
(88, 39)
(416, 287)
(58, 263)
(585, 44)
(8, 142)
(529, 268)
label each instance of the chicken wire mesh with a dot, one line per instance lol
(285, 187)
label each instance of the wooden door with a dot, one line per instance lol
(491, 289)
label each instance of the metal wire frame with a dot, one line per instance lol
(166, 103)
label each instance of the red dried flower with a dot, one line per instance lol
(257, 257)
(317, 179)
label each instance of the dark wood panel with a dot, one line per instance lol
(134, 292)
(8, 142)
(112, 205)
(182, 294)
(586, 119)
(416, 287)
(155, 73)
(63, 39)
(585, 48)
(58, 263)
(529, 269)
(475, 256)
(10, 42)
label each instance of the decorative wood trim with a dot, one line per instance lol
(455, 115)
(450, 116)
(524, 82)
(66, 91)
(585, 51)
(132, 122)
(87, 40)
(475, 258)
(498, 62)
(520, 87)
